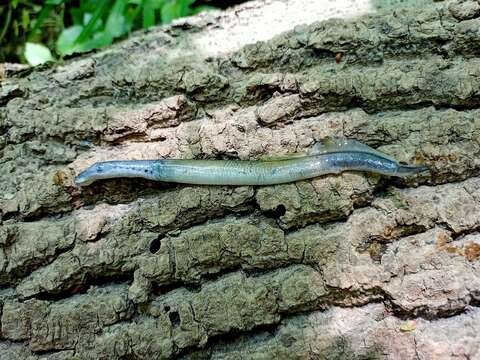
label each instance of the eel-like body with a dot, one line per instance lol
(334, 156)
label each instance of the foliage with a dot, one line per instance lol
(31, 30)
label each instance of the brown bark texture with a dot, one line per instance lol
(349, 266)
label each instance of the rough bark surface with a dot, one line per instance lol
(351, 266)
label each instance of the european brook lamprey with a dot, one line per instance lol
(332, 156)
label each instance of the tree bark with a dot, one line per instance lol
(349, 266)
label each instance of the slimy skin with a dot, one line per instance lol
(244, 172)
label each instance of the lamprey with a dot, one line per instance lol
(332, 156)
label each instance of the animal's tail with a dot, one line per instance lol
(408, 170)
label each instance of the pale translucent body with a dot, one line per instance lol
(237, 172)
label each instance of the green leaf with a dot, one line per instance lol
(68, 41)
(130, 16)
(6, 24)
(170, 11)
(78, 16)
(39, 20)
(115, 25)
(54, 2)
(25, 19)
(202, 8)
(148, 14)
(37, 54)
(184, 6)
(89, 29)
(98, 41)
(157, 4)
(98, 26)
(68, 37)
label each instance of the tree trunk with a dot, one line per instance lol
(340, 267)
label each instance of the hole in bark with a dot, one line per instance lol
(323, 53)
(158, 289)
(64, 294)
(155, 246)
(356, 102)
(7, 216)
(167, 308)
(280, 210)
(174, 318)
